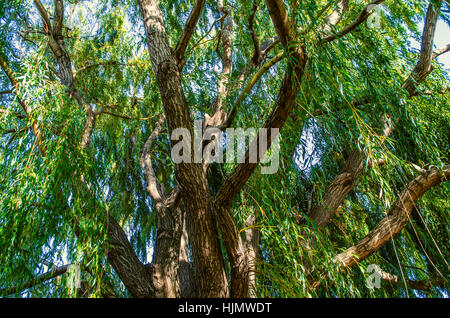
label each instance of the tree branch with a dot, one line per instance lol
(344, 182)
(266, 46)
(58, 17)
(441, 51)
(8, 91)
(283, 106)
(86, 67)
(209, 268)
(54, 272)
(395, 220)
(188, 31)
(44, 15)
(423, 67)
(121, 255)
(236, 180)
(425, 285)
(12, 78)
(256, 48)
(365, 13)
(154, 188)
(335, 17)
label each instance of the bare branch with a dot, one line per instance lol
(441, 51)
(256, 48)
(424, 67)
(365, 13)
(188, 30)
(335, 17)
(154, 188)
(44, 15)
(54, 272)
(58, 17)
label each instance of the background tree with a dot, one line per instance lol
(92, 91)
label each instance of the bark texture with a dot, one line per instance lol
(209, 268)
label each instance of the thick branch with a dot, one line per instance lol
(283, 106)
(338, 189)
(335, 17)
(395, 220)
(54, 272)
(441, 50)
(188, 30)
(256, 48)
(209, 268)
(252, 242)
(44, 15)
(135, 275)
(423, 67)
(58, 17)
(154, 188)
(227, 59)
(266, 47)
(236, 180)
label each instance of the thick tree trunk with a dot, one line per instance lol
(210, 278)
(185, 270)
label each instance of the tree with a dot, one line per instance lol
(93, 92)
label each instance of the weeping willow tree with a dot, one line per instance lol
(92, 203)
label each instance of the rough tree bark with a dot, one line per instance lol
(210, 278)
(395, 220)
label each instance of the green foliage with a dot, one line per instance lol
(40, 201)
